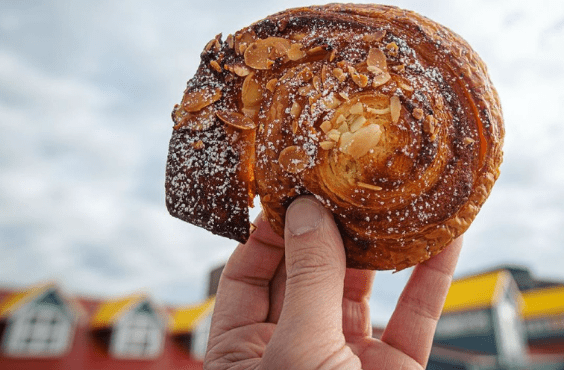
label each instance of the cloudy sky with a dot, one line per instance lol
(86, 90)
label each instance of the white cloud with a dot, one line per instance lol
(86, 91)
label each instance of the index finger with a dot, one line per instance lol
(243, 291)
(412, 325)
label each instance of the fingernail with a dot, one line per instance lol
(303, 215)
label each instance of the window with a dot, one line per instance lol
(41, 329)
(138, 335)
(200, 338)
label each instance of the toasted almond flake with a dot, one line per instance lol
(333, 135)
(429, 124)
(317, 50)
(339, 74)
(313, 99)
(251, 92)
(362, 141)
(251, 113)
(374, 36)
(271, 85)
(317, 82)
(343, 128)
(378, 111)
(358, 108)
(293, 159)
(376, 58)
(327, 145)
(295, 52)
(345, 141)
(295, 110)
(341, 119)
(209, 45)
(215, 65)
(242, 48)
(392, 48)
(196, 100)
(360, 79)
(262, 53)
(324, 73)
(468, 140)
(404, 86)
(236, 120)
(230, 40)
(331, 101)
(417, 113)
(400, 68)
(395, 108)
(332, 55)
(298, 36)
(295, 126)
(326, 126)
(241, 70)
(266, 198)
(357, 123)
(198, 145)
(344, 95)
(305, 90)
(381, 78)
(368, 186)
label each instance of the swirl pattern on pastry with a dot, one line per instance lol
(386, 117)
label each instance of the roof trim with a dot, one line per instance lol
(184, 320)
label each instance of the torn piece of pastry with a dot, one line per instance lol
(386, 117)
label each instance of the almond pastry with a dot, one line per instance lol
(386, 117)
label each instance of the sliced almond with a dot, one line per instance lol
(316, 83)
(295, 52)
(236, 120)
(468, 140)
(230, 40)
(343, 128)
(251, 92)
(340, 119)
(293, 159)
(271, 85)
(326, 126)
(262, 53)
(357, 123)
(295, 110)
(358, 108)
(333, 135)
(327, 145)
(380, 77)
(241, 70)
(376, 58)
(374, 36)
(198, 145)
(215, 65)
(393, 48)
(331, 101)
(395, 108)
(344, 95)
(339, 74)
(194, 101)
(360, 79)
(417, 113)
(368, 186)
(429, 125)
(363, 140)
(376, 111)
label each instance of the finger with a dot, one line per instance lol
(277, 291)
(412, 325)
(315, 267)
(243, 292)
(356, 309)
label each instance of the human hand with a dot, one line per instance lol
(291, 303)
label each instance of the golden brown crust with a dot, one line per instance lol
(388, 118)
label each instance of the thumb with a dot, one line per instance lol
(315, 267)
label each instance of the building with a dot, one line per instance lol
(42, 328)
(501, 319)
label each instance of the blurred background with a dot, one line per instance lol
(86, 91)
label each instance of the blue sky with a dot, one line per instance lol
(86, 91)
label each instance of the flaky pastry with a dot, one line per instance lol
(386, 117)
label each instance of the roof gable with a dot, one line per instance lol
(47, 293)
(184, 320)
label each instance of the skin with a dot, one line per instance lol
(292, 304)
